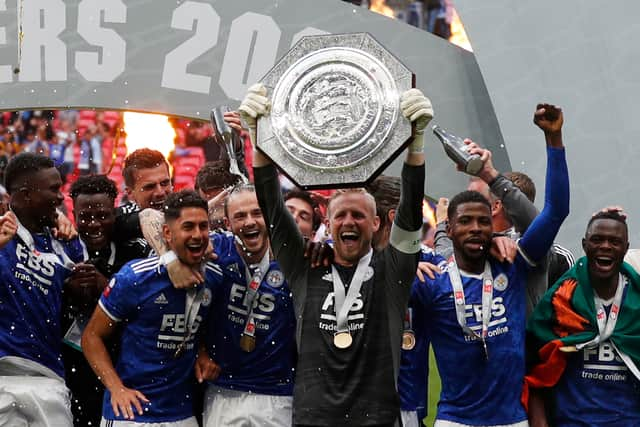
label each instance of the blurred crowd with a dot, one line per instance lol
(84, 142)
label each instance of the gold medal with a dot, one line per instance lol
(408, 340)
(342, 340)
(247, 343)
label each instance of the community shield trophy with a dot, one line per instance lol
(335, 116)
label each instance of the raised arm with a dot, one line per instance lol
(417, 109)
(286, 241)
(538, 238)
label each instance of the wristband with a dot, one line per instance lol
(417, 145)
(168, 258)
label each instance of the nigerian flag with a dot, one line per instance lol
(566, 317)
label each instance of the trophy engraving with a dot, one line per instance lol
(335, 119)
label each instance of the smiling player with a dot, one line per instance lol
(152, 380)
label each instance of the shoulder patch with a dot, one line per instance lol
(110, 286)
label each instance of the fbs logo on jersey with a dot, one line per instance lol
(110, 286)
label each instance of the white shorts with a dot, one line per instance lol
(230, 408)
(446, 423)
(410, 419)
(34, 401)
(187, 422)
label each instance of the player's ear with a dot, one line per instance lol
(166, 233)
(376, 223)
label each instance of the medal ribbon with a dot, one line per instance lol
(192, 303)
(344, 303)
(606, 324)
(408, 320)
(252, 293)
(458, 295)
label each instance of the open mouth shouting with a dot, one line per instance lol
(604, 264)
(350, 239)
(251, 238)
(196, 249)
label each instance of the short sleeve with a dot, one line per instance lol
(120, 298)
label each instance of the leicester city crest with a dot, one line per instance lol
(206, 297)
(501, 282)
(275, 278)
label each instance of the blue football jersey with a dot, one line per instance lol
(475, 390)
(597, 389)
(154, 317)
(31, 280)
(414, 364)
(269, 368)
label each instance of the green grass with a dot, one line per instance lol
(434, 390)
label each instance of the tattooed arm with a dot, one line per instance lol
(181, 275)
(151, 222)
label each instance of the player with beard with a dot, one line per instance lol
(348, 359)
(585, 335)
(414, 364)
(475, 310)
(33, 268)
(152, 381)
(147, 185)
(250, 333)
(94, 211)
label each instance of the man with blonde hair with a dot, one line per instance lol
(350, 315)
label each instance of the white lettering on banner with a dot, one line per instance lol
(91, 65)
(5, 70)
(251, 46)
(43, 22)
(206, 21)
(251, 51)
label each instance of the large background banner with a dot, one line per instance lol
(584, 56)
(183, 57)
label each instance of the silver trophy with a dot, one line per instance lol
(335, 118)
